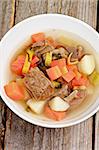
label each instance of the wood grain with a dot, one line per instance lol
(96, 146)
(5, 16)
(28, 8)
(85, 10)
(2, 123)
(97, 132)
(5, 19)
(54, 6)
(20, 135)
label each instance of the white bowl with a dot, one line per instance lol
(16, 36)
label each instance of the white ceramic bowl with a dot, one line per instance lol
(16, 36)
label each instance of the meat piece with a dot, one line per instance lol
(81, 93)
(38, 50)
(76, 97)
(38, 44)
(42, 50)
(42, 66)
(60, 52)
(39, 85)
(62, 92)
(61, 80)
(70, 88)
(77, 52)
(81, 96)
(62, 46)
(42, 46)
(47, 49)
(71, 96)
(80, 50)
(70, 49)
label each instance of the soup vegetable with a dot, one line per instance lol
(51, 76)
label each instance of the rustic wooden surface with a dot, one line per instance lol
(17, 134)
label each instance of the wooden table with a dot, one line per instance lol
(17, 134)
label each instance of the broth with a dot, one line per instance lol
(71, 40)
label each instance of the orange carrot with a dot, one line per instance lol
(17, 65)
(54, 73)
(72, 67)
(78, 74)
(82, 81)
(75, 70)
(69, 76)
(51, 42)
(38, 37)
(55, 115)
(14, 91)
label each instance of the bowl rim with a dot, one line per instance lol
(22, 116)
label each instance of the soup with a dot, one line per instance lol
(54, 75)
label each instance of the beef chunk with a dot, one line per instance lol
(38, 84)
(76, 97)
(77, 52)
(62, 92)
(38, 44)
(59, 53)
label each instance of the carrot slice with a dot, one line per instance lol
(75, 70)
(78, 74)
(59, 115)
(69, 76)
(55, 115)
(83, 81)
(17, 65)
(38, 37)
(72, 67)
(60, 63)
(14, 91)
(54, 73)
(51, 42)
(49, 113)
(20, 82)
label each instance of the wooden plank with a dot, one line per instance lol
(97, 114)
(85, 10)
(19, 134)
(2, 123)
(5, 22)
(54, 6)
(25, 8)
(22, 135)
(97, 131)
(6, 13)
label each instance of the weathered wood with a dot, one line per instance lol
(28, 8)
(12, 14)
(2, 123)
(97, 131)
(97, 114)
(22, 135)
(54, 6)
(19, 134)
(5, 20)
(85, 10)
(5, 16)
